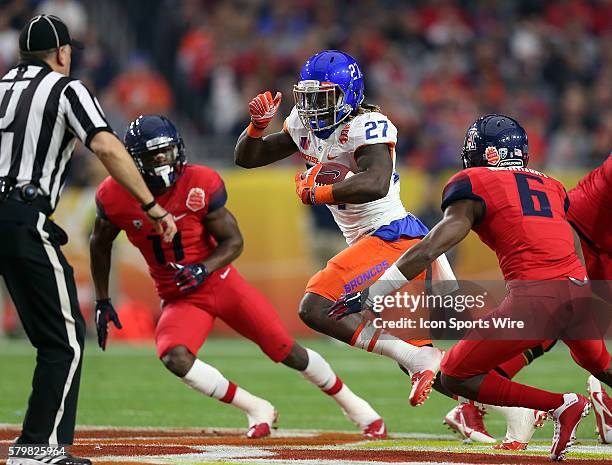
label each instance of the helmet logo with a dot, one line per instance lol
(470, 143)
(196, 199)
(491, 155)
(355, 71)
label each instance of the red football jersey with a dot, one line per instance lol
(198, 191)
(524, 220)
(591, 206)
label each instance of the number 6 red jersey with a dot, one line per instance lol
(523, 222)
(198, 191)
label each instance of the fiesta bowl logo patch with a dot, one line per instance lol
(196, 200)
(491, 155)
(344, 134)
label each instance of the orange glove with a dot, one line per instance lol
(306, 190)
(262, 109)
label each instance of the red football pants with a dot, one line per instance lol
(187, 321)
(472, 357)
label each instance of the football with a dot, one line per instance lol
(332, 173)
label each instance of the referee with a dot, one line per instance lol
(43, 112)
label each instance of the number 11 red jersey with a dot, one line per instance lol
(198, 191)
(523, 222)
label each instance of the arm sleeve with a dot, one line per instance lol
(459, 187)
(83, 112)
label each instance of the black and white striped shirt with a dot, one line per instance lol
(42, 113)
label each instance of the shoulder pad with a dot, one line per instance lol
(371, 128)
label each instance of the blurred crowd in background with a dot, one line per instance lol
(433, 66)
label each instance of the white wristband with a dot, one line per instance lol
(389, 282)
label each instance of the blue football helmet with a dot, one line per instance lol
(158, 150)
(330, 89)
(495, 140)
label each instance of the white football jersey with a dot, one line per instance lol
(354, 220)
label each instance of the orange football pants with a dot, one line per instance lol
(358, 266)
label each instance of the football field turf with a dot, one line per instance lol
(128, 387)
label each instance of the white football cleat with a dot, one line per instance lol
(521, 424)
(261, 420)
(567, 417)
(602, 408)
(358, 411)
(467, 421)
(423, 374)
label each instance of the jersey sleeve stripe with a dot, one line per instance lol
(460, 189)
(217, 199)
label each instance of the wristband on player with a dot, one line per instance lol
(389, 282)
(322, 194)
(157, 218)
(147, 206)
(254, 132)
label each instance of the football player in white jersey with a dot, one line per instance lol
(331, 123)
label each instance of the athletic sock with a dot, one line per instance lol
(208, 380)
(257, 410)
(320, 373)
(498, 390)
(411, 357)
(510, 368)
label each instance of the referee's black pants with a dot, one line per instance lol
(42, 287)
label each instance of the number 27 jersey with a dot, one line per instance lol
(198, 191)
(523, 222)
(370, 128)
